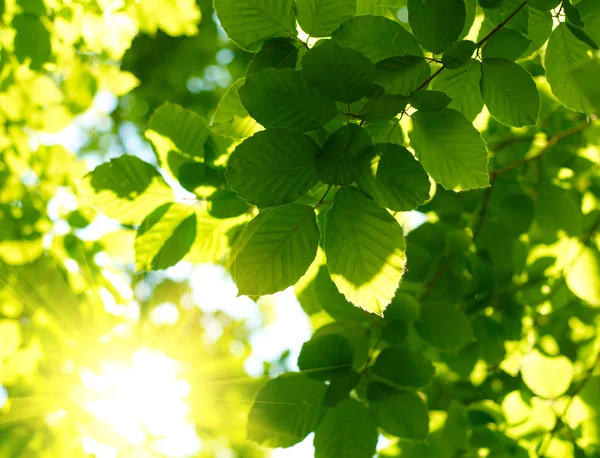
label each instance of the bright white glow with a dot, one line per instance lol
(144, 403)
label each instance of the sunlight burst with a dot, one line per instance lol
(145, 403)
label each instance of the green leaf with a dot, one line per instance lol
(275, 250)
(506, 44)
(402, 75)
(403, 307)
(450, 149)
(348, 430)
(231, 118)
(286, 410)
(364, 245)
(403, 368)
(429, 100)
(436, 23)
(126, 189)
(564, 53)
(343, 74)
(509, 92)
(590, 15)
(444, 326)
(178, 135)
(344, 156)
(583, 276)
(283, 98)
(489, 3)
(376, 37)
(225, 204)
(165, 237)
(396, 179)
(543, 4)
(395, 332)
(458, 54)
(274, 167)
(582, 35)
(319, 18)
(340, 387)
(199, 178)
(571, 13)
(32, 40)
(250, 22)
(400, 413)
(547, 376)
(462, 86)
(275, 53)
(587, 77)
(323, 357)
(323, 292)
(383, 107)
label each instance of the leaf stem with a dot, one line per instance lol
(323, 198)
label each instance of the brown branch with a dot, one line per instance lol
(501, 25)
(483, 211)
(551, 142)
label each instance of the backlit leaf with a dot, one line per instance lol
(283, 98)
(450, 149)
(275, 250)
(364, 245)
(274, 167)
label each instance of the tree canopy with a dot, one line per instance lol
(422, 174)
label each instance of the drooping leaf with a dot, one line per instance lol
(348, 430)
(364, 245)
(343, 74)
(344, 156)
(283, 98)
(444, 326)
(429, 100)
(231, 118)
(564, 53)
(250, 22)
(126, 189)
(376, 37)
(395, 179)
(319, 18)
(404, 368)
(32, 40)
(275, 53)
(275, 250)
(179, 136)
(547, 376)
(436, 23)
(587, 77)
(286, 410)
(274, 167)
(383, 107)
(165, 237)
(590, 15)
(402, 75)
(400, 413)
(505, 44)
(462, 86)
(509, 92)
(458, 54)
(450, 149)
(323, 357)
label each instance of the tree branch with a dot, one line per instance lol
(551, 142)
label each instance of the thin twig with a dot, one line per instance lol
(551, 142)
(323, 198)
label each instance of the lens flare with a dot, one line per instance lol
(144, 403)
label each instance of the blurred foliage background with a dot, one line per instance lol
(98, 359)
